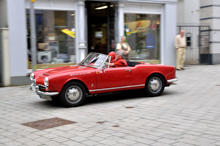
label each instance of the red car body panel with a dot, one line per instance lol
(113, 77)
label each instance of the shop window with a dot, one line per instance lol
(55, 38)
(143, 35)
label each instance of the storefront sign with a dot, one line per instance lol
(69, 32)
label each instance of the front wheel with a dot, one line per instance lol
(154, 85)
(55, 99)
(73, 94)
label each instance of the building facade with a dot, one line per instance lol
(201, 19)
(67, 30)
(210, 14)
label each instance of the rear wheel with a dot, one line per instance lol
(73, 94)
(154, 85)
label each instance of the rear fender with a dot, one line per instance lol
(156, 73)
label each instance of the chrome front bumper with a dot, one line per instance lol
(36, 90)
(172, 81)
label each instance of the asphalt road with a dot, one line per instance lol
(187, 114)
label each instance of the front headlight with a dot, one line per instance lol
(32, 76)
(46, 81)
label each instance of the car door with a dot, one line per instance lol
(113, 77)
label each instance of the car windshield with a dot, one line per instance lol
(95, 60)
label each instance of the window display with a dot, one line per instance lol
(55, 37)
(143, 36)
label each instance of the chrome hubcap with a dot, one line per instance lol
(155, 84)
(73, 94)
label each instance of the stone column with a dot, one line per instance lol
(120, 20)
(168, 32)
(81, 41)
(210, 15)
(6, 78)
(18, 42)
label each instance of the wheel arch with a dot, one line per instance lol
(77, 80)
(156, 73)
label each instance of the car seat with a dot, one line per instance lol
(131, 63)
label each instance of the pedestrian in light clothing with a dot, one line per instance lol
(123, 46)
(180, 44)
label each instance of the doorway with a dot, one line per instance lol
(100, 26)
(197, 44)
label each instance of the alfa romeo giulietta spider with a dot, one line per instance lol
(70, 85)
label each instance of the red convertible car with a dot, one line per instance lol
(72, 84)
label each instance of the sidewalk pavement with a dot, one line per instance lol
(186, 114)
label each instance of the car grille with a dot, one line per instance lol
(42, 87)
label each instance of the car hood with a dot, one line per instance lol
(66, 69)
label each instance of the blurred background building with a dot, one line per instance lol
(67, 30)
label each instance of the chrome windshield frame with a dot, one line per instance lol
(91, 54)
(109, 61)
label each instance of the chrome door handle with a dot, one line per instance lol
(128, 70)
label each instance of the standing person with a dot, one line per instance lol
(180, 44)
(124, 47)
